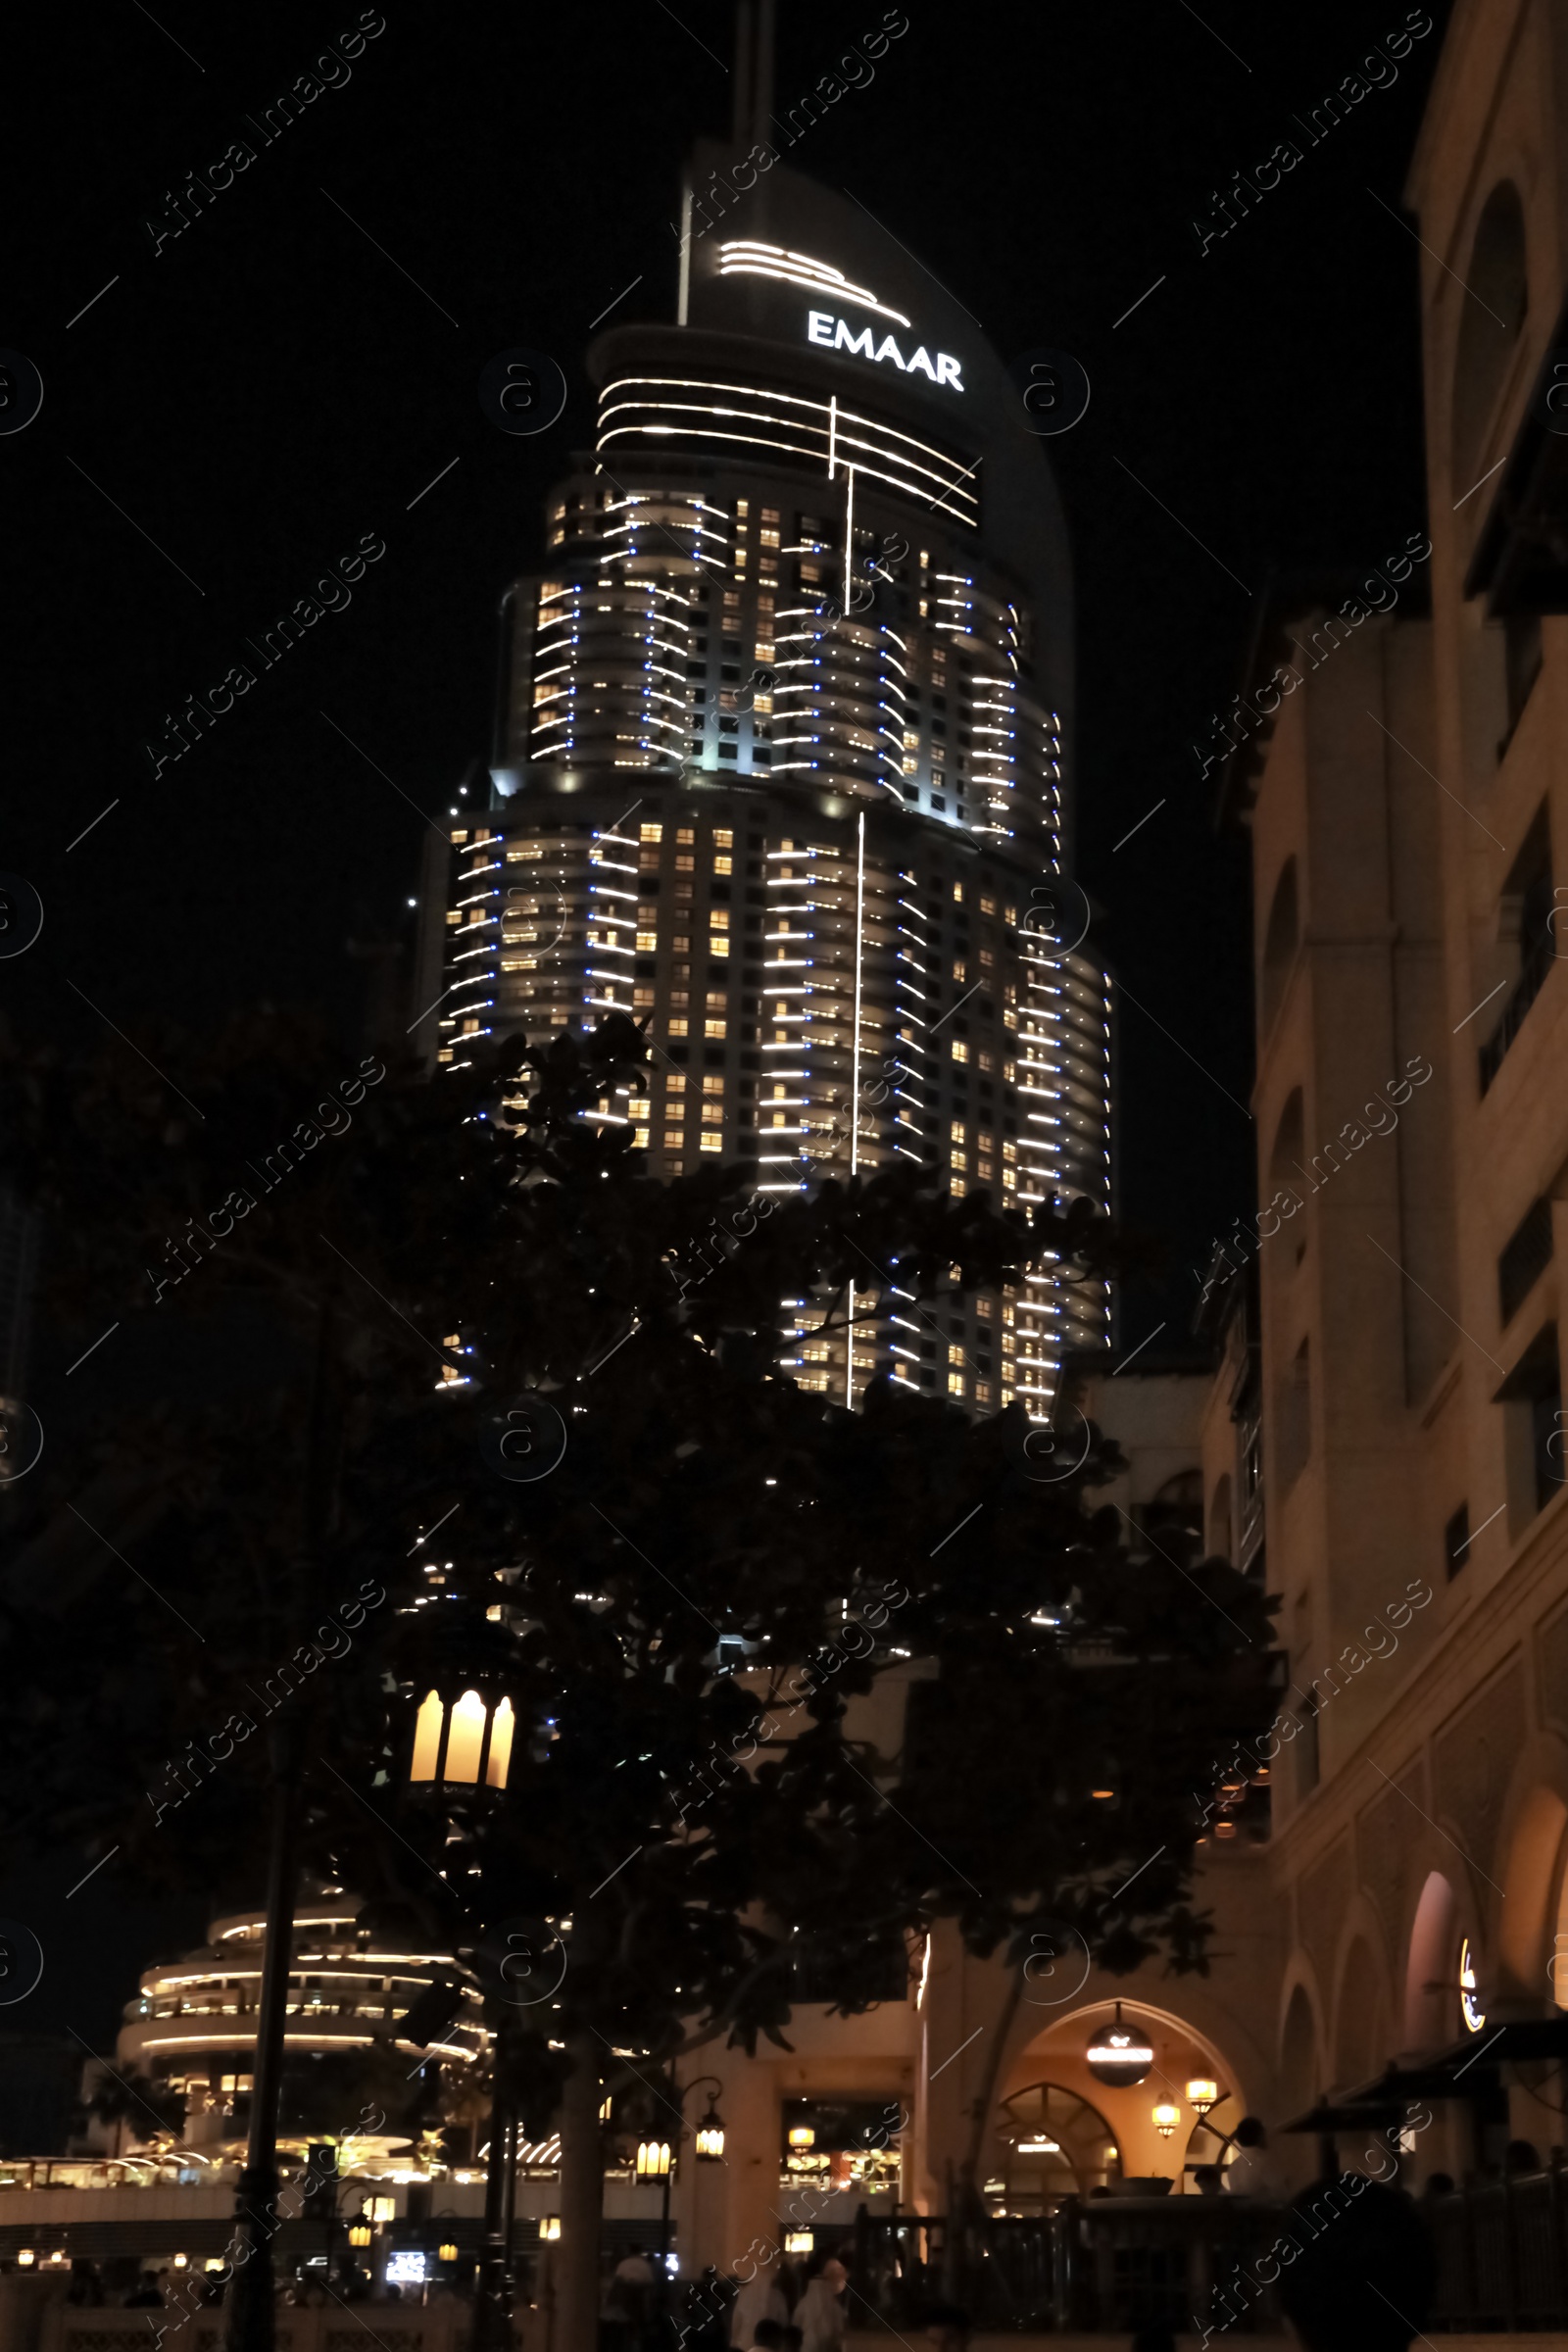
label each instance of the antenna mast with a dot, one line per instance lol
(752, 73)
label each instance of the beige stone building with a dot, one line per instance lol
(1383, 1438)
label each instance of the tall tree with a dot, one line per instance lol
(680, 1567)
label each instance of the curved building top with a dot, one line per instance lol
(808, 338)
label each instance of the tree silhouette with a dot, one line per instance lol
(683, 1609)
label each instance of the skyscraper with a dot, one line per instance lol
(780, 749)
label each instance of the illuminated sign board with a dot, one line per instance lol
(747, 257)
(837, 334)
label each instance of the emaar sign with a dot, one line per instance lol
(837, 334)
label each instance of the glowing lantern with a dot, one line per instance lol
(1118, 2056)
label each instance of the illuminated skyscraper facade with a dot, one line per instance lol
(779, 763)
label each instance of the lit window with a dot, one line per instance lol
(677, 1028)
(673, 1138)
(961, 1052)
(955, 1383)
(712, 1115)
(988, 906)
(959, 1132)
(684, 837)
(684, 861)
(959, 1159)
(982, 1391)
(983, 1308)
(712, 1082)
(647, 942)
(958, 894)
(955, 1354)
(961, 972)
(640, 1138)
(723, 838)
(642, 992)
(675, 1083)
(723, 866)
(651, 833)
(713, 1142)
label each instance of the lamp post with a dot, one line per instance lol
(248, 2308)
(462, 1732)
(710, 2145)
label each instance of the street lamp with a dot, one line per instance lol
(652, 2160)
(709, 2140)
(462, 1741)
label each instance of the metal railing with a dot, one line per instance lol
(1503, 2255)
(1115, 2264)
(1111, 2264)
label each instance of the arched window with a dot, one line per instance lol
(1497, 298)
(1294, 1416)
(1430, 2017)
(1281, 937)
(1286, 1160)
(1053, 2145)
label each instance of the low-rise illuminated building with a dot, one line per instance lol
(193, 2026)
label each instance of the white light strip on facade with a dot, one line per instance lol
(745, 257)
(788, 400)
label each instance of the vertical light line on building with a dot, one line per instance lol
(684, 298)
(848, 538)
(832, 433)
(855, 1052)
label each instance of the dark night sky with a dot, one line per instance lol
(270, 387)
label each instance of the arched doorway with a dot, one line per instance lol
(1054, 2144)
(1149, 2120)
(1430, 1997)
